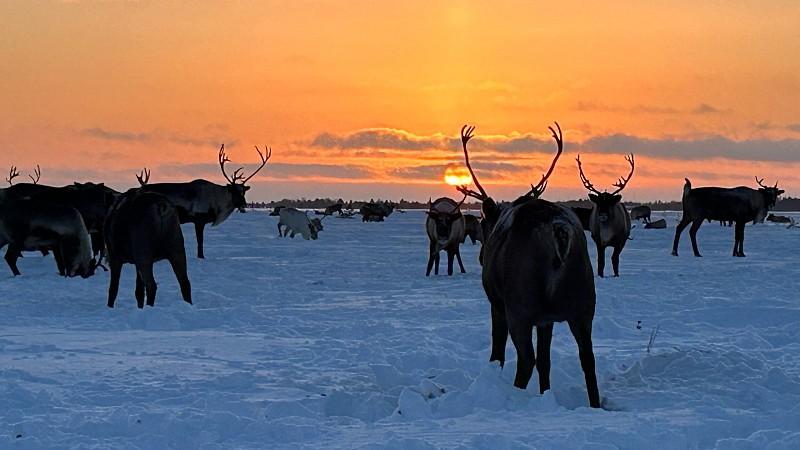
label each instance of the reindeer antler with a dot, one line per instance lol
(538, 190)
(143, 177)
(466, 135)
(264, 159)
(622, 182)
(586, 183)
(11, 175)
(237, 174)
(38, 173)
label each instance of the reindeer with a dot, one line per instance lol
(296, 221)
(740, 205)
(92, 200)
(376, 211)
(641, 212)
(31, 225)
(334, 208)
(445, 226)
(202, 202)
(142, 228)
(536, 271)
(610, 223)
(472, 229)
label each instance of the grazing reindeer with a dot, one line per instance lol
(740, 205)
(472, 228)
(142, 228)
(32, 225)
(536, 271)
(296, 221)
(445, 226)
(92, 200)
(641, 212)
(610, 223)
(376, 211)
(202, 202)
(334, 208)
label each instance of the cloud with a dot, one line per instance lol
(793, 127)
(211, 136)
(702, 108)
(395, 139)
(377, 138)
(786, 150)
(116, 135)
(271, 170)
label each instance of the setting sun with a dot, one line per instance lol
(457, 176)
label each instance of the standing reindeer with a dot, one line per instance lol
(142, 228)
(536, 271)
(740, 205)
(202, 202)
(610, 223)
(445, 227)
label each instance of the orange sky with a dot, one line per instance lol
(363, 99)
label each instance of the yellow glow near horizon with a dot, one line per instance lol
(457, 176)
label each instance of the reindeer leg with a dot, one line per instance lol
(198, 230)
(678, 230)
(280, 233)
(615, 260)
(430, 259)
(436, 263)
(601, 259)
(178, 263)
(113, 285)
(150, 286)
(450, 256)
(499, 333)
(544, 336)
(460, 263)
(739, 240)
(12, 254)
(693, 234)
(582, 331)
(139, 290)
(522, 337)
(59, 261)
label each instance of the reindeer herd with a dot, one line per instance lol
(534, 254)
(83, 223)
(536, 266)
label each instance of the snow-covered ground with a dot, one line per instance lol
(343, 342)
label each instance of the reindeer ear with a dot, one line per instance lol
(617, 198)
(246, 188)
(594, 198)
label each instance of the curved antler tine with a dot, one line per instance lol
(586, 183)
(456, 209)
(623, 181)
(223, 158)
(466, 135)
(264, 158)
(538, 190)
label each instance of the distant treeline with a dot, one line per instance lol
(785, 204)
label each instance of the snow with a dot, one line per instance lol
(343, 342)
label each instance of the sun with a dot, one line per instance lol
(456, 176)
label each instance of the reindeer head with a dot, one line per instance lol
(444, 219)
(237, 182)
(491, 210)
(605, 201)
(770, 193)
